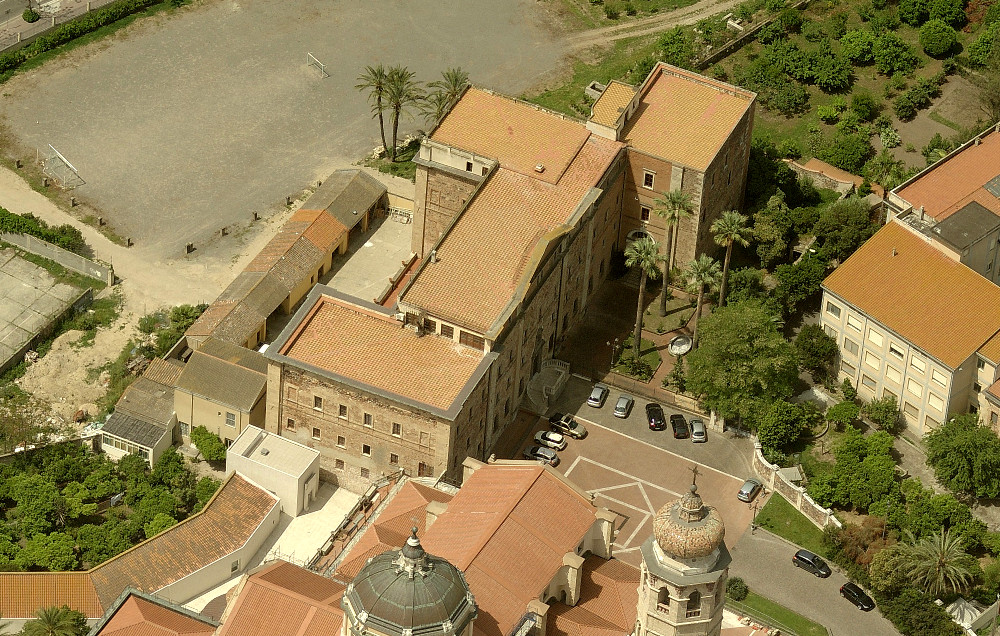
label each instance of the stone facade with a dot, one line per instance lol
(438, 199)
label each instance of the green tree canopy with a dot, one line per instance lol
(742, 361)
(208, 444)
(781, 424)
(56, 621)
(771, 228)
(843, 414)
(843, 227)
(938, 564)
(798, 282)
(158, 524)
(886, 573)
(893, 54)
(817, 350)
(864, 473)
(965, 456)
(884, 413)
(937, 38)
(54, 552)
(677, 48)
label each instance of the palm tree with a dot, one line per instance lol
(672, 207)
(644, 254)
(728, 229)
(53, 621)
(701, 273)
(374, 81)
(444, 92)
(400, 92)
(938, 564)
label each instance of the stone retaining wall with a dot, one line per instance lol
(67, 259)
(796, 495)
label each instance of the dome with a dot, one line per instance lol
(687, 528)
(408, 592)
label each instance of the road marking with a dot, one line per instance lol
(624, 474)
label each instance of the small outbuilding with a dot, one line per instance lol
(125, 434)
(288, 469)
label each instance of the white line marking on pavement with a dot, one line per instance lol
(631, 477)
(572, 466)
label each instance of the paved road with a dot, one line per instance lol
(763, 560)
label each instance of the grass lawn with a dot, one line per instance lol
(782, 519)
(647, 353)
(588, 14)
(679, 311)
(778, 615)
(402, 167)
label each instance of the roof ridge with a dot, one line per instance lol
(281, 563)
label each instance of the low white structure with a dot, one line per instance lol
(288, 469)
(123, 434)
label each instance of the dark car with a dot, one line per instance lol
(654, 415)
(680, 426)
(811, 563)
(566, 425)
(541, 453)
(854, 593)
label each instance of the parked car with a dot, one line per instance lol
(597, 395)
(698, 433)
(854, 593)
(749, 490)
(624, 406)
(551, 439)
(680, 426)
(654, 415)
(542, 453)
(811, 563)
(568, 426)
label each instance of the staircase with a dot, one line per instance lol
(546, 384)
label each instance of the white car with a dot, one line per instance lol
(551, 439)
(624, 406)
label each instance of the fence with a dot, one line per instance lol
(16, 33)
(796, 495)
(744, 38)
(759, 617)
(69, 260)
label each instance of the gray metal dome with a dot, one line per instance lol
(408, 592)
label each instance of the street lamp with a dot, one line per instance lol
(614, 350)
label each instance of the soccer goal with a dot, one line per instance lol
(312, 61)
(56, 166)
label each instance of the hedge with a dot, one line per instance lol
(71, 30)
(211, 447)
(65, 236)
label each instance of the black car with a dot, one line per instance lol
(654, 415)
(811, 563)
(854, 593)
(680, 426)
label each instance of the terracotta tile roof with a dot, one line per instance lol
(506, 225)
(991, 350)
(285, 600)
(210, 318)
(608, 601)
(323, 230)
(225, 524)
(390, 300)
(138, 616)
(24, 593)
(234, 354)
(949, 184)
(835, 173)
(994, 391)
(612, 103)
(365, 346)
(346, 195)
(938, 304)
(162, 372)
(221, 381)
(517, 134)
(685, 117)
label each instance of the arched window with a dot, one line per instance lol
(663, 599)
(694, 604)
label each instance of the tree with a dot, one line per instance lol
(843, 227)
(817, 350)
(884, 413)
(858, 46)
(885, 170)
(208, 444)
(771, 226)
(893, 54)
(988, 90)
(746, 283)
(965, 456)
(56, 621)
(729, 229)
(948, 11)
(937, 38)
(205, 490)
(985, 47)
(443, 92)
(701, 273)
(843, 414)
(848, 150)
(35, 498)
(375, 81)
(677, 48)
(913, 12)
(158, 524)
(799, 282)
(780, 425)
(742, 361)
(672, 207)
(53, 552)
(644, 254)
(401, 92)
(915, 614)
(865, 105)
(938, 564)
(886, 573)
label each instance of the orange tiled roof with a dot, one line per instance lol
(685, 117)
(948, 185)
(938, 304)
(994, 390)
(991, 350)
(224, 525)
(323, 230)
(517, 134)
(612, 103)
(504, 225)
(835, 173)
(162, 372)
(608, 601)
(140, 617)
(362, 345)
(24, 593)
(285, 600)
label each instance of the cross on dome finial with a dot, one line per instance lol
(694, 478)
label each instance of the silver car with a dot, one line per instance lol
(624, 406)
(698, 431)
(749, 490)
(551, 439)
(598, 395)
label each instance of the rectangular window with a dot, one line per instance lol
(886, 393)
(366, 450)
(939, 378)
(848, 368)
(993, 418)
(231, 419)
(471, 340)
(832, 309)
(317, 403)
(893, 375)
(342, 412)
(977, 387)
(918, 364)
(393, 458)
(647, 178)
(290, 425)
(425, 438)
(644, 213)
(875, 337)
(854, 323)
(448, 331)
(338, 464)
(235, 565)
(980, 364)
(930, 422)
(867, 382)
(935, 402)
(468, 166)
(315, 433)
(365, 472)
(915, 387)
(397, 429)
(341, 441)
(430, 326)
(424, 470)
(369, 420)
(896, 351)
(851, 347)
(872, 360)
(485, 170)
(910, 409)
(830, 331)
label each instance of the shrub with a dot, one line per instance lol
(837, 25)
(736, 589)
(64, 236)
(848, 151)
(937, 38)
(828, 114)
(918, 97)
(949, 66)
(817, 351)
(789, 149)
(894, 55)
(813, 31)
(677, 48)
(948, 11)
(850, 393)
(865, 105)
(981, 49)
(790, 20)
(858, 46)
(913, 12)
(612, 10)
(208, 443)
(30, 15)
(889, 138)
(865, 11)
(884, 21)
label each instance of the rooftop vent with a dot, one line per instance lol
(264, 452)
(894, 252)
(539, 168)
(434, 256)
(354, 212)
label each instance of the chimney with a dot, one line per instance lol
(434, 510)
(921, 213)
(976, 141)
(539, 168)
(434, 253)
(894, 252)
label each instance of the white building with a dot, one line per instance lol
(288, 469)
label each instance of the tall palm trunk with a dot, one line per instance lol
(381, 125)
(666, 275)
(697, 315)
(395, 129)
(725, 274)
(637, 335)
(673, 245)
